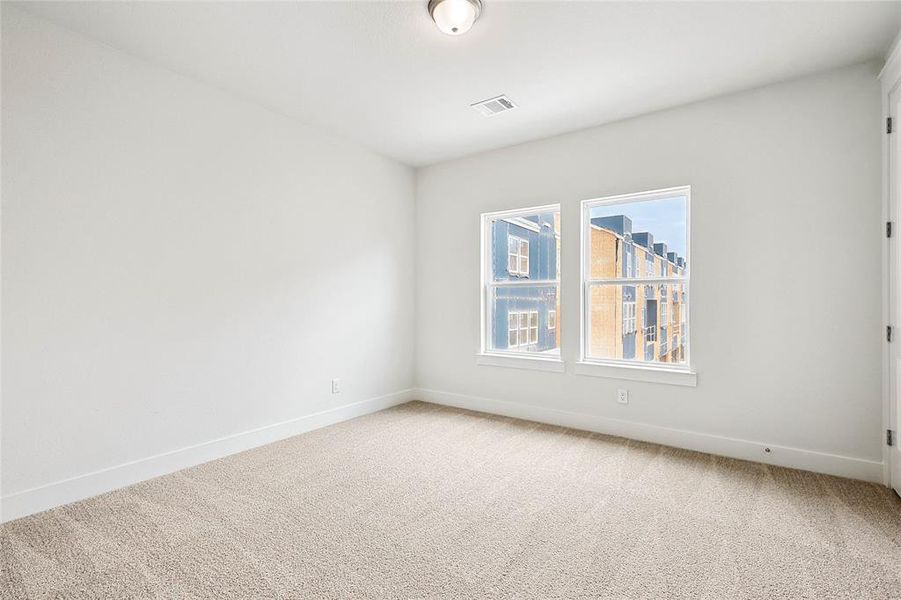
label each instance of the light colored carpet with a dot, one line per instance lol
(421, 501)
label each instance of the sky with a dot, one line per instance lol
(665, 219)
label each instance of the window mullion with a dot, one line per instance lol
(638, 281)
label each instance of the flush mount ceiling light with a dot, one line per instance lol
(455, 17)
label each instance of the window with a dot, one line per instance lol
(521, 282)
(518, 256)
(522, 328)
(628, 318)
(618, 229)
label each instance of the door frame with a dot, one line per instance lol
(890, 293)
(890, 78)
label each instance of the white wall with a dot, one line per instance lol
(180, 265)
(786, 239)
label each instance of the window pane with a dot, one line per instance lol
(618, 330)
(638, 239)
(515, 323)
(516, 242)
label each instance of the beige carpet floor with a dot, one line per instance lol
(422, 501)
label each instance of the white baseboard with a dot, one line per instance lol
(796, 458)
(62, 492)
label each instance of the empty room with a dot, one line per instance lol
(450, 299)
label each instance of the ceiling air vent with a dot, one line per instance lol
(494, 106)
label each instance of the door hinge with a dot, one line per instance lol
(889, 437)
(888, 229)
(888, 124)
(888, 333)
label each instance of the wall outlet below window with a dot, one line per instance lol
(622, 396)
(336, 386)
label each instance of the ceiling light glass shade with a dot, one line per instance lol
(455, 17)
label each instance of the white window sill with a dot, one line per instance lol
(638, 373)
(521, 362)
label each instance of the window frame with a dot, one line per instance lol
(636, 367)
(487, 355)
(552, 319)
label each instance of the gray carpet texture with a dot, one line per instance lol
(423, 501)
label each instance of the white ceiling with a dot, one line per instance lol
(380, 73)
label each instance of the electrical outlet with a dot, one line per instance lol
(622, 396)
(336, 386)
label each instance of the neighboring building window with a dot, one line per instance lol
(522, 328)
(516, 245)
(637, 223)
(513, 330)
(518, 256)
(628, 318)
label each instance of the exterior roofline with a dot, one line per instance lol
(650, 250)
